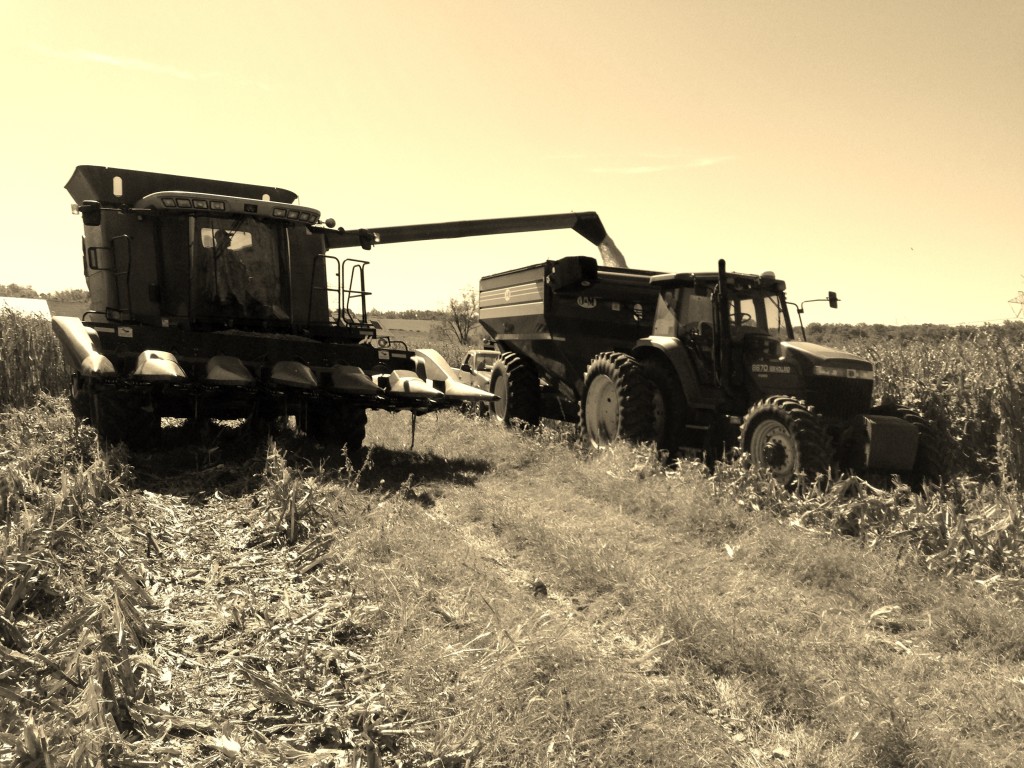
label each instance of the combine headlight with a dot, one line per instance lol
(839, 372)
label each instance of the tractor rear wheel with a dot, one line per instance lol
(515, 382)
(618, 401)
(788, 437)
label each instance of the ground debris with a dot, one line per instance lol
(180, 643)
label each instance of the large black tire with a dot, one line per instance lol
(932, 464)
(81, 399)
(668, 405)
(515, 382)
(618, 401)
(787, 437)
(338, 424)
(122, 418)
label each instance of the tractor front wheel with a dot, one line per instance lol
(786, 436)
(618, 401)
(933, 463)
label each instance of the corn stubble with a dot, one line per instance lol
(504, 599)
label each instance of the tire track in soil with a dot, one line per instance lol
(596, 626)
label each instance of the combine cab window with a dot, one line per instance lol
(238, 270)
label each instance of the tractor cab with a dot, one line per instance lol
(735, 333)
(731, 325)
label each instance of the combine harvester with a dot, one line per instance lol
(219, 300)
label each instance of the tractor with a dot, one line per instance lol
(699, 363)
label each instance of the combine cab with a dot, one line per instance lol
(219, 300)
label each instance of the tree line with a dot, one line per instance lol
(15, 291)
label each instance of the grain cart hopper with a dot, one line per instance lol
(696, 362)
(213, 299)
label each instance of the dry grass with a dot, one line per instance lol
(675, 618)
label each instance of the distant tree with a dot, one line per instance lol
(15, 291)
(408, 314)
(460, 317)
(70, 294)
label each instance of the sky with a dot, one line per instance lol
(870, 147)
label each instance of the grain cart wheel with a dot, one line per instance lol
(618, 401)
(339, 424)
(788, 437)
(668, 405)
(515, 382)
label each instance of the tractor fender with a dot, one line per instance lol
(672, 351)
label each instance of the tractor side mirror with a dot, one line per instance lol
(833, 300)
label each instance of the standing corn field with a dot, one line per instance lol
(967, 381)
(30, 360)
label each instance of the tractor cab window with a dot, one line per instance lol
(758, 312)
(238, 270)
(683, 312)
(776, 318)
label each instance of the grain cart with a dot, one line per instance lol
(695, 362)
(219, 300)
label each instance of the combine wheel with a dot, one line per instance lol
(121, 418)
(515, 382)
(788, 437)
(618, 401)
(81, 400)
(338, 424)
